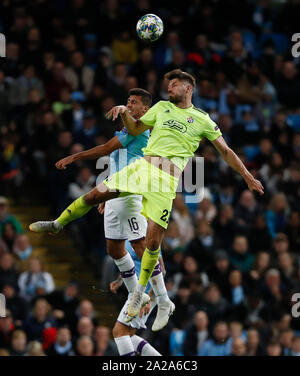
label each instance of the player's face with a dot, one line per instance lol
(177, 91)
(135, 106)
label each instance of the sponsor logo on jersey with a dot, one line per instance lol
(190, 120)
(216, 127)
(174, 124)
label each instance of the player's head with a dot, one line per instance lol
(181, 85)
(138, 103)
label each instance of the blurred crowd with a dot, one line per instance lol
(233, 260)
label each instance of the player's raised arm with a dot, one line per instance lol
(96, 152)
(234, 162)
(134, 126)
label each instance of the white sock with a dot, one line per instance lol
(140, 288)
(57, 224)
(126, 266)
(142, 347)
(125, 346)
(158, 285)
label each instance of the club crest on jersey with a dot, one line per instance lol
(190, 119)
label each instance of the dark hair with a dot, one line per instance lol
(182, 76)
(144, 94)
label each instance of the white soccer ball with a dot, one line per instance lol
(149, 27)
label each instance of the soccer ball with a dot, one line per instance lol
(149, 27)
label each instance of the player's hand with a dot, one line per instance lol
(62, 163)
(254, 185)
(114, 286)
(101, 208)
(115, 111)
(146, 309)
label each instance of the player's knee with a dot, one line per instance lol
(153, 244)
(92, 198)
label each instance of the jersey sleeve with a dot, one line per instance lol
(150, 116)
(211, 130)
(124, 137)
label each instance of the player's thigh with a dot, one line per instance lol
(120, 330)
(99, 194)
(116, 248)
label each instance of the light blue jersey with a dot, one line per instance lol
(133, 146)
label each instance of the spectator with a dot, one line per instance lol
(288, 85)
(181, 216)
(78, 75)
(219, 272)
(35, 281)
(6, 330)
(22, 248)
(224, 226)
(104, 345)
(254, 346)
(241, 258)
(9, 236)
(124, 48)
(274, 349)
(246, 211)
(56, 82)
(238, 347)
(38, 320)
(63, 344)
(184, 309)
(259, 237)
(85, 327)
(5, 217)
(214, 305)
(64, 303)
(85, 182)
(18, 343)
(8, 273)
(295, 347)
(286, 340)
(220, 344)
(85, 346)
(34, 348)
(276, 216)
(196, 334)
(15, 303)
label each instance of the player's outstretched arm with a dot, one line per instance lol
(96, 152)
(234, 162)
(134, 126)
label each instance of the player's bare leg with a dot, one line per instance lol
(77, 209)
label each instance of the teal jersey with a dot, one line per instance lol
(133, 146)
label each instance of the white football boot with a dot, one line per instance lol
(164, 311)
(44, 226)
(136, 302)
